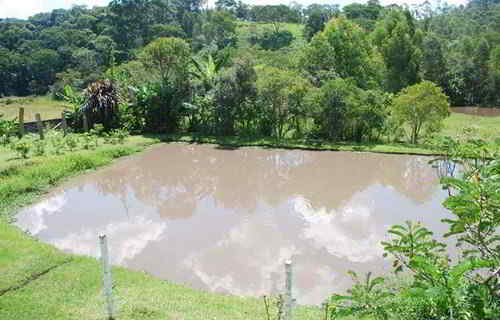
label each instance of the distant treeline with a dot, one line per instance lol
(456, 47)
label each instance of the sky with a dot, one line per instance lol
(23, 9)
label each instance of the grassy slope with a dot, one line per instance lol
(487, 128)
(48, 108)
(246, 29)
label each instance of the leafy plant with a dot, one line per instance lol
(71, 141)
(21, 147)
(39, 147)
(57, 141)
(366, 298)
(101, 102)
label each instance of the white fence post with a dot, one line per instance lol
(106, 273)
(288, 290)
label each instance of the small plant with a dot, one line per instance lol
(89, 141)
(98, 130)
(274, 306)
(21, 147)
(39, 149)
(57, 141)
(116, 136)
(71, 142)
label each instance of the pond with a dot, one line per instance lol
(227, 220)
(477, 111)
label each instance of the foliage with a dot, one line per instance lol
(316, 21)
(399, 43)
(235, 89)
(8, 128)
(282, 97)
(274, 40)
(444, 288)
(101, 103)
(342, 111)
(344, 49)
(21, 147)
(170, 57)
(159, 103)
(421, 107)
(365, 299)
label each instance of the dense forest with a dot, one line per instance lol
(456, 47)
(273, 70)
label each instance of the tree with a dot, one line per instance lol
(235, 89)
(365, 15)
(169, 57)
(161, 101)
(421, 106)
(342, 111)
(399, 43)
(315, 23)
(433, 60)
(346, 51)
(282, 99)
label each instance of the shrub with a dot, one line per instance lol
(71, 142)
(39, 147)
(21, 147)
(421, 107)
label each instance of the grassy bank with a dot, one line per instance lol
(38, 281)
(47, 107)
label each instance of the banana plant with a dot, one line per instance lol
(207, 68)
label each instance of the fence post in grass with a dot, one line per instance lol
(288, 290)
(64, 124)
(85, 122)
(39, 125)
(21, 122)
(325, 306)
(106, 275)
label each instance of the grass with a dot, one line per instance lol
(246, 29)
(486, 128)
(72, 289)
(47, 107)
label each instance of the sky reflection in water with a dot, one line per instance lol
(226, 220)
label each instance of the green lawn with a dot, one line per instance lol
(487, 128)
(47, 107)
(71, 289)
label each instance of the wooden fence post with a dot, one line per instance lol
(106, 275)
(288, 290)
(85, 123)
(39, 125)
(64, 124)
(21, 122)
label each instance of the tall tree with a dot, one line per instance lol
(399, 43)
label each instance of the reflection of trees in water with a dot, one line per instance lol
(172, 178)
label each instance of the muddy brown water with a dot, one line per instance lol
(476, 111)
(226, 220)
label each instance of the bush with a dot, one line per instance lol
(21, 147)
(342, 111)
(421, 107)
(39, 147)
(274, 40)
